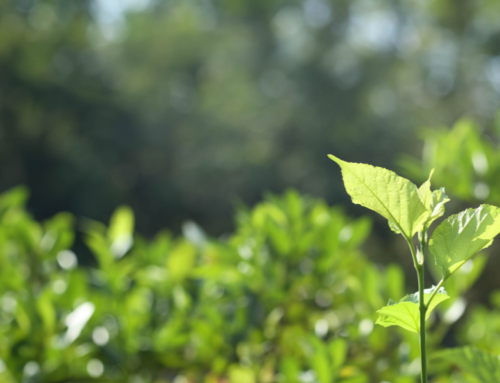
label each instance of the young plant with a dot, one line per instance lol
(411, 210)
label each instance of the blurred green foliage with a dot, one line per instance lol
(194, 103)
(289, 297)
(466, 160)
(480, 366)
(175, 107)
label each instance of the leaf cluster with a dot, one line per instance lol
(274, 301)
(410, 210)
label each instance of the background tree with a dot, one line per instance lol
(180, 108)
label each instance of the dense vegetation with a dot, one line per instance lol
(184, 109)
(289, 297)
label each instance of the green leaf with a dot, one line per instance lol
(425, 193)
(394, 227)
(290, 368)
(383, 191)
(394, 280)
(403, 314)
(320, 364)
(15, 197)
(121, 223)
(337, 349)
(461, 236)
(439, 198)
(121, 230)
(433, 200)
(240, 374)
(181, 261)
(406, 313)
(47, 312)
(97, 244)
(482, 365)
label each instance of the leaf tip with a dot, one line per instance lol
(431, 173)
(336, 159)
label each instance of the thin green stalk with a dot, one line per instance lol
(440, 284)
(419, 267)
(423, 312)
(413, 253)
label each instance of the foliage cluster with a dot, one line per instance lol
(411, 210)
(289, 297)
(466, 159)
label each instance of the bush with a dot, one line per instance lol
(289, 297)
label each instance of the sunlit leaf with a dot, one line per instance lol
(15, 197)
(239, 374)
(181, 260)
(439, 198)
(121, 229)
(406, 313)
(46, 311)
(77, 320)
(433, 200)
(290, 368)
(383, 191)
(402, 314)
(327, 359)
(99, 247)
(121, 223)
(462, 235)
(23, 319)
(338, 353)
(320, 364)
(425, 193)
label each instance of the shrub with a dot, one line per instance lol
(288, 297)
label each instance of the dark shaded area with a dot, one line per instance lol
(181, 109)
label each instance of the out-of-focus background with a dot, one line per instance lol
(192, 119)
(183, 108)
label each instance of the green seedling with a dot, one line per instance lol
(409, 211)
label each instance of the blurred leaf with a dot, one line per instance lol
(371, 286)
(181, 261)
(279, 239)
(239, 374)
(121, 223)
(23, 319)
(290, 369)
(483, 366)
(76, 321)
(47, 312)
(338, 354)
(99, 247)
(14, 198)
(321, 365)
(359, 231)
(121, 229)
(394, 280)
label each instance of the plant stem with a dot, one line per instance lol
(423, 311)
(436, 290)
(419, 267)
